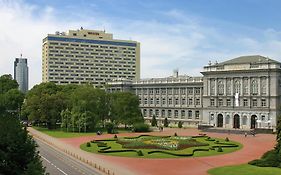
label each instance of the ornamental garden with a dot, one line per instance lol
(148, 146)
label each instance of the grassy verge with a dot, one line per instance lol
(115, 146)
(245, 169)
(59, 133)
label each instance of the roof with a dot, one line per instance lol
(249, 59)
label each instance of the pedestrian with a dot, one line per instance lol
(254, 133)
(245, 134)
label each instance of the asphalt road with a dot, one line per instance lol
(58, 163)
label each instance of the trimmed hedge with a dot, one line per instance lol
(175, 154)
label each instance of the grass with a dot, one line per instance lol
(115, 146)
(245, 169)
(59, 133)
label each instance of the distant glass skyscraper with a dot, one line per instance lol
(21, 73)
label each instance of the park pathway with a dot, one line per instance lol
(253, 148)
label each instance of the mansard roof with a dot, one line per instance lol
(250, 59)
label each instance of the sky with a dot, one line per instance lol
(174, 34)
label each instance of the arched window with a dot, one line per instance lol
(263, 85)
(254, 87)
(212, 87)
(221, 88)
(245, 86)
(237, 86)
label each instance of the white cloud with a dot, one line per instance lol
(186, 43)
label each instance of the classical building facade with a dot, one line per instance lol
(241, 93)
(88, 57)
(21, 73)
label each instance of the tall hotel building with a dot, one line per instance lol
(21, 73)
(88, 57)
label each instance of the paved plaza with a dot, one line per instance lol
(253, 147)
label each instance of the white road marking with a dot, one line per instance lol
(53, 165)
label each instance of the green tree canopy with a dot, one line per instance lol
(18, 153)
(7, 83)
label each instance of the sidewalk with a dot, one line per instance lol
(102, 165)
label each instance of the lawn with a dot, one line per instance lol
(245, 169)
(59, 133)
(188, 150)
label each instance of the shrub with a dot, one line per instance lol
(220, 149)
(227, 139)
(175, 134)
(180, 123)
(166, 122)
(115, 136)
(216, 141)
(269, 159)
(109, 127)
(153, 121)
(88, 144)
(141, 127)
(140, 153)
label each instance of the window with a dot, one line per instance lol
(263, 118)
(190, 101)
(228, 102)
(163, 113)
(221, 88)
(151, 101)
(150, 112)
(163, 91)
(176, 101)
(189, 114)
(176, 91)
(197, 91)
(197, 102)
(255, 103)
(163, 101)
(197, 115)
(254, 87)
(263, 85)
(157, 113)
(170, 101)
(144, 112)
(212, 87)
(157, 101)
(140, 100)
(176, 113)
(170, 91)
(157, 91)
(245, 102)
(212, 102)
(190, 91)
(182, 113)
(220, 102)
(150, 91)
(169, 113)
(245, 86)
(237, 86)
(183, 101)
(263, 102)
(244, 120)
(145, 101)
(183, 91)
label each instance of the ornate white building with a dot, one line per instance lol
(242, 93)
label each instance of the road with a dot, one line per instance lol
(58, 163)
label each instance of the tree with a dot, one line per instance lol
(166, 122)
(11, 98)
(125, 108)
(7, 83)
(18, 153)
(153, 121)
